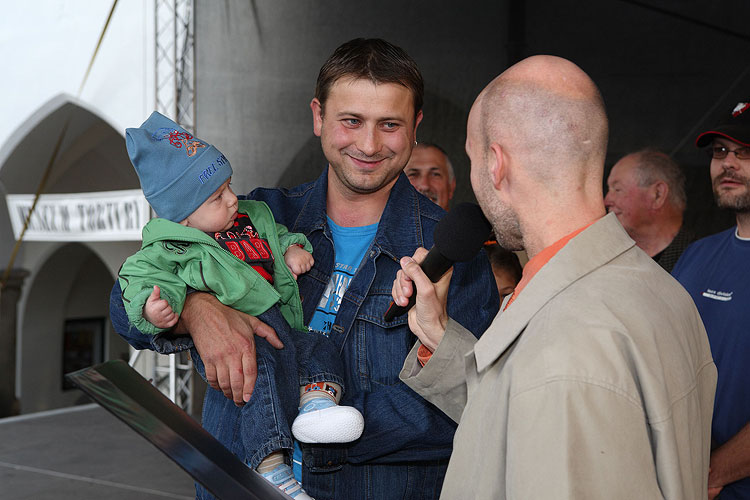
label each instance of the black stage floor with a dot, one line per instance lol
(83, 453)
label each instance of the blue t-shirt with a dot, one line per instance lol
(350, 246)
(716, 272)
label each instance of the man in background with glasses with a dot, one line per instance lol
(716, 272)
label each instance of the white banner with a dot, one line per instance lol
(103, 216)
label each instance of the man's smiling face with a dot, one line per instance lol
(367, 132)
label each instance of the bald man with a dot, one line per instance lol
(596, 379)
(431, 173)
(646, 191)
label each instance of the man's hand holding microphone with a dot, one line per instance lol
(458, 237)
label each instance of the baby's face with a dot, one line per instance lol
(217, 213)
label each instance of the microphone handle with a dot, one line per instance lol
(434, 265)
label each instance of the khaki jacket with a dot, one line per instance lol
(597, 382)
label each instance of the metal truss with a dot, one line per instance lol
(174, 25)
(174, 78)
(172, 374)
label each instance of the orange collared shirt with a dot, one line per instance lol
(529, 270)
(539, 260)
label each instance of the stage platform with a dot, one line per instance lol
(82, 453)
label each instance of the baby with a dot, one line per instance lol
(206, 239)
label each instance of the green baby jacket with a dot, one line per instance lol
(174, 257)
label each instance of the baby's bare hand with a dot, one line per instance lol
(158, 312)
(298, 260)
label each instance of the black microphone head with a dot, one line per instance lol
(461, 232)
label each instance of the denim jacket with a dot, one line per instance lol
(400, 426)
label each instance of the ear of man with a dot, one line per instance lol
(498, 165)
(660, 194)
(417, 121)
(317, 111)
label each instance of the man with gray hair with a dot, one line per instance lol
(646, 191)
(430, 172)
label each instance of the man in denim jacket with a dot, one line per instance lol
(366, 110)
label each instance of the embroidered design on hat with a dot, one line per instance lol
(192, 147)
(178, 139)
(740, 108)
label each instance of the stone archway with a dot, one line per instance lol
(64, 323)
(91, 158)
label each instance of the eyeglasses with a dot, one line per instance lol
(720, 152)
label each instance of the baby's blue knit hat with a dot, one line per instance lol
(178, 172)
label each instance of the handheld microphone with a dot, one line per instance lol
(458, 236)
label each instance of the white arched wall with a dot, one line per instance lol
(73, 283)
(92, 158)
(67, 280)
(42, 114)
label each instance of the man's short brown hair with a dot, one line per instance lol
(373, 59)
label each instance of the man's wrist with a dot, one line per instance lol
(192, 305)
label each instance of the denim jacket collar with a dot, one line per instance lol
(312, 216)
(394, 237)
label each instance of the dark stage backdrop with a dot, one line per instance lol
(667, 70)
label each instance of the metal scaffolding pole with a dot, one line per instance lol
(174, 78)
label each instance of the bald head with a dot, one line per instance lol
(548, 113)
(536, 138)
